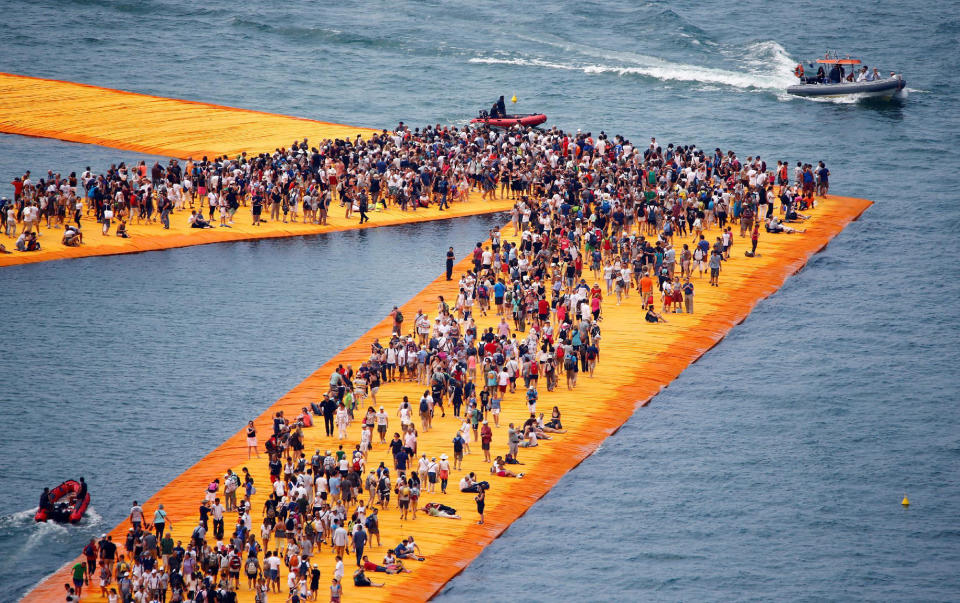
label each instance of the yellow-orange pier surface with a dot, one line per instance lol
(153, 237)
(176, 128)
(637, 360)
(149, 124)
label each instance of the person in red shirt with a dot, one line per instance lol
(486, 436)
(543, 309)
(17, 189)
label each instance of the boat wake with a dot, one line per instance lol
(21, 525)
(766, 66)
(19, 519)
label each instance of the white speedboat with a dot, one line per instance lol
(833, 77)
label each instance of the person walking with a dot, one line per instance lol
(450, 259)
(486, 436)
(362, 205)
(481, 499)
(160, 520)
(359, 541)
(329, 408)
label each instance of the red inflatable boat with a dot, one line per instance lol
(506, 121)
(65, 505)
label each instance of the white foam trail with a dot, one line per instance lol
(19, 519)
(666, 71)
(44, 530)
(90, 517)
(768, 64)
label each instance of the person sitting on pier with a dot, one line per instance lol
(652, 316)
(72, 237)
(792, 215)
(196, 220)
(408, 549)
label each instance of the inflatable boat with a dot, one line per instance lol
(66, 507)
(832, 80)
(506, 121)
(883, 88)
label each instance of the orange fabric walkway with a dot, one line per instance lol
(637, 360)
(177, 128)
(152, 237)
(149, 124)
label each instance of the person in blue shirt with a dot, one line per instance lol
(458, 443)
(823, 179)
(498, 290)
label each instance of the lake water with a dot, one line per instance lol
(773, 468)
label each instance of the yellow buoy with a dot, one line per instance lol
(906, 501)
(514, 99)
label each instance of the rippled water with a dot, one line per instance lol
(771, 469)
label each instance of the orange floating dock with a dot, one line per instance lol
(152, 237)
(176, 128)
(637, 361)
(149, 124)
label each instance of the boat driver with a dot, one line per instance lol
(836, 74)
(45, 503)
(498, 109)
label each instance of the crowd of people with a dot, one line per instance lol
(597, 220)
(403, 168)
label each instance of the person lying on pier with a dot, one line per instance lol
(792, 215)
(774, 226)
(498, 469)
(387, 568)
(469, 484)
(440, 510)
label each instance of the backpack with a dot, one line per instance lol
(251, 566)
(398, 318)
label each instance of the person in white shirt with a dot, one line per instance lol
(382, 422)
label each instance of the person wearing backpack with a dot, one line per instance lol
(397, 321)
(570, 368)
(234, 563)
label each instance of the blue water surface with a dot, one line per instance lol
(773, 468)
